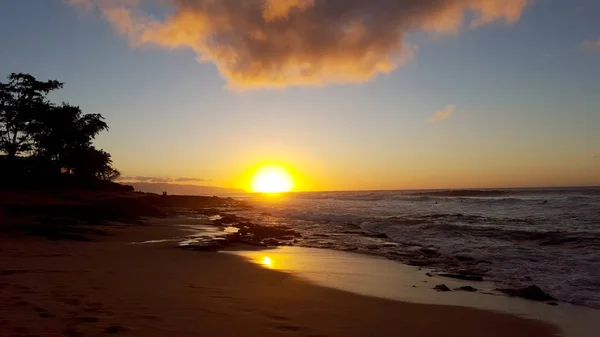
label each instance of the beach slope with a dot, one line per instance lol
(109, 286)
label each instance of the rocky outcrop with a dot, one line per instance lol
(533, 293)
(442, 287)
(464, 276)
(467, 288)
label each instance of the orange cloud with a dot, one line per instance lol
(592, 45)
(278, 43)
(443, 114)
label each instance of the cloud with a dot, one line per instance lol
(164, 180)
(443, 114)
(592, 45)
(279, 43)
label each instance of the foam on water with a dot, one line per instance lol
(377, 277)
(547, 237)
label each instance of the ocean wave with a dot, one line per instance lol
(465, 193)
(514, 235)
(542, 238)
(319, 217)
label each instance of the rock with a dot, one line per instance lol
(466, 277)
(533, 293)
(467, 288)
(271, 242)
(552, 303)
(442, 287)
(420, 263)
(429, 274)
(429, 252)
(114, 329)
(378, 236)
(226, 219)
(463, 258)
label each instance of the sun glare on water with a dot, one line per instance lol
(272, 179)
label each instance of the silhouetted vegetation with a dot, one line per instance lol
(44, 144)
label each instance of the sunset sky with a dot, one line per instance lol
(354, 94)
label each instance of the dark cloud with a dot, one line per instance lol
(275, 43)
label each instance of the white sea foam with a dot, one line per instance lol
(547, 237)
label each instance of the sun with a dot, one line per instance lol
(271, 179)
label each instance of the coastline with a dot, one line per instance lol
(108, 286)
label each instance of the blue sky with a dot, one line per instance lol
(527, 110)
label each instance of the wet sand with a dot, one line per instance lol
(69, 288)
(379, 277)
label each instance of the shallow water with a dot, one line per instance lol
(516, 238)
(379, 277)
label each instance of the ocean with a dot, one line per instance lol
(549, 237)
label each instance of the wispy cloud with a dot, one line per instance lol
(591, 45)
(443, 114)
(164, 180)
(278, 43)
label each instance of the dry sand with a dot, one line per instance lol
(65, 288)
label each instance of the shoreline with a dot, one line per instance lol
(71, 288)
(378, 277)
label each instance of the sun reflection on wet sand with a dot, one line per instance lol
(379, 277)
(267, 262)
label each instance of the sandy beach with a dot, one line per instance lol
(110, 286)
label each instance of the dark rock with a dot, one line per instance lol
(113, 329)
(466, 277)
(226, 219)
(378, 235)
(420, 263)
(463, 258)
(533, 293)
(87, 319)
(552, 303)
(467, 288)
(429, 274)
(271, 242)
(429, 252)
(442, 287)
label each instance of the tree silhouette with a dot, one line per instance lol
(61, 130)
(52, 139)
(21, 99)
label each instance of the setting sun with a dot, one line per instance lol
(271, 179)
